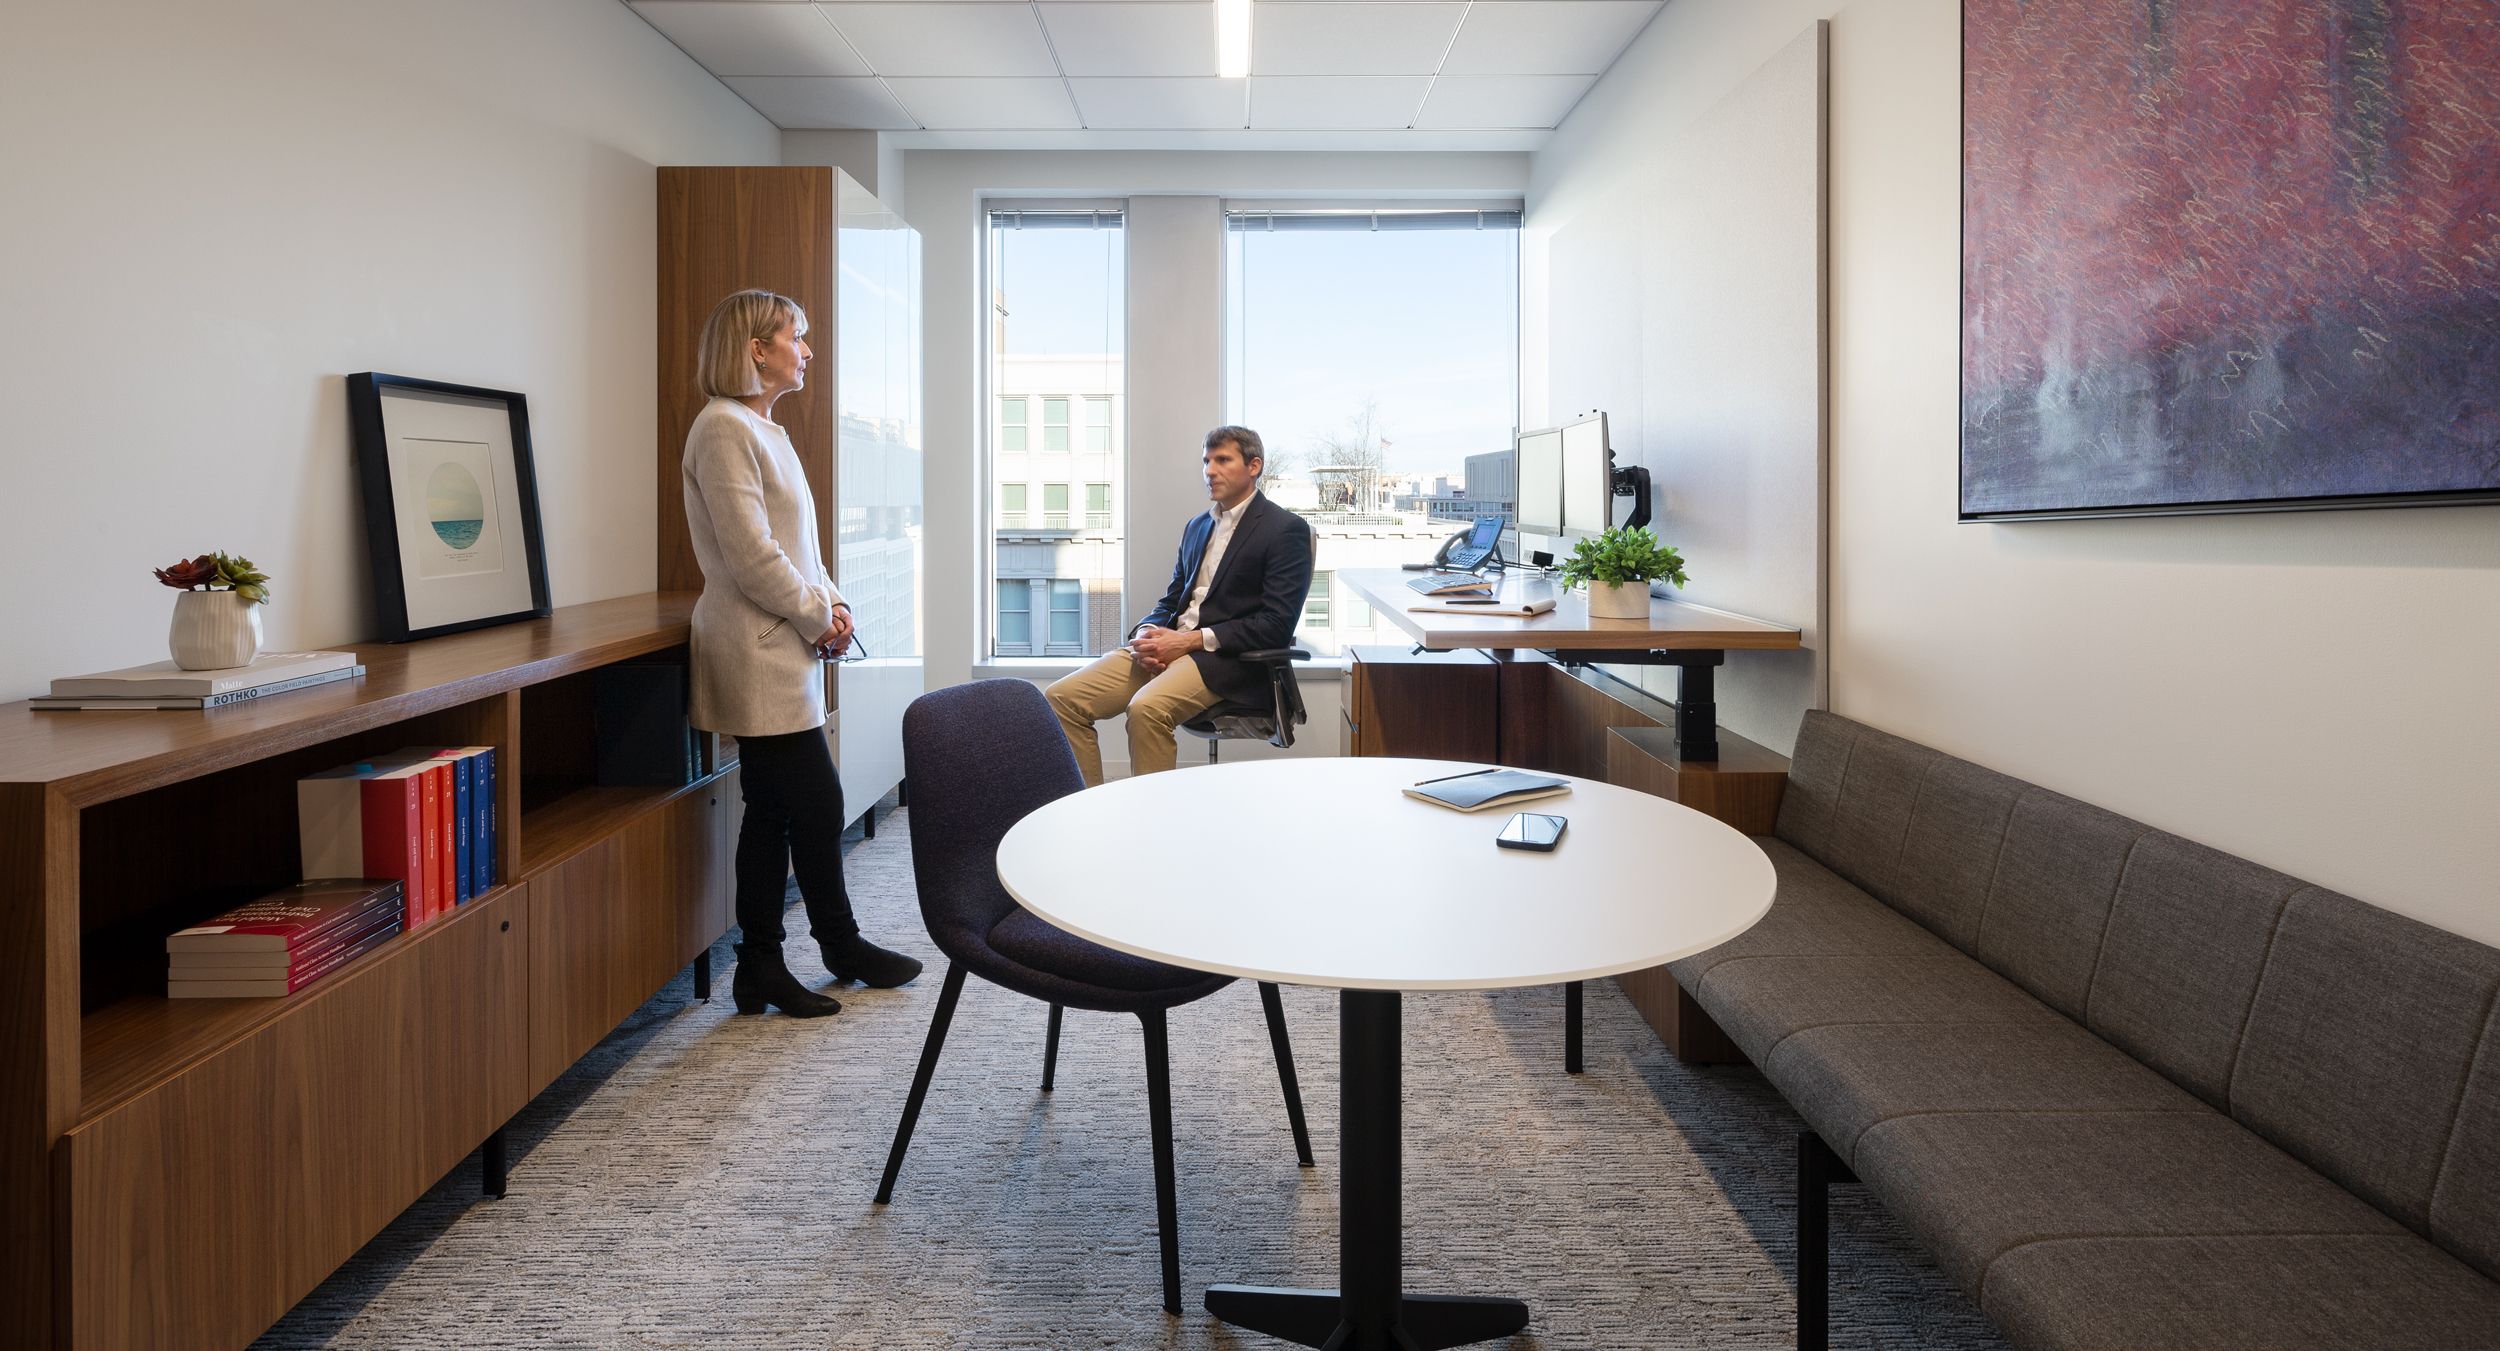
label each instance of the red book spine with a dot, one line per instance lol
(446, 825)
(432, 815)
(395, 839)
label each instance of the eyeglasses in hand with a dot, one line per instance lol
(857, 651)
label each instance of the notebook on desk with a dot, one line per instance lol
(1478, 790)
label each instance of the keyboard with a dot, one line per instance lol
(1445, 583)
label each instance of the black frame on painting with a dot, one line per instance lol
(373, 472)
(2454, 497)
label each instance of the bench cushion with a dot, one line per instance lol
(1845, 1078)
(2333, 1292)
(1816, 914)
(1761, 1001)
(1975, 1186)
(2360, 1048)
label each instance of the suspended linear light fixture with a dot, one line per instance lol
(1232, 39)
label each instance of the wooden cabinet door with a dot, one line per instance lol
(199, 1212)
(1429, 705)
(615, 922)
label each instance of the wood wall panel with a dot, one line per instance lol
(724, 230)
(203, 1209)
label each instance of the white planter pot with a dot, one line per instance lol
(1618, 600)
(214, 629)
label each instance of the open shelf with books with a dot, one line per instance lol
(141, 1200)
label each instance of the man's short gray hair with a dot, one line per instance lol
(1244, 440)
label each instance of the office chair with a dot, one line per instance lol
(978, 758)
(1272, 722)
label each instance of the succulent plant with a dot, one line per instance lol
(212, 571)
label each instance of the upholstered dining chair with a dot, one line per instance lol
(978, 758)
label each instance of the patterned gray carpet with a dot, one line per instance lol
(703, 1179)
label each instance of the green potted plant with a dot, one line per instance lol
(1618, 567)
(217, 616)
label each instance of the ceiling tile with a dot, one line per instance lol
(860, 104)
(944, 37)
(1336, 102)
(1468, 102)
(1351, 39)
(1545, 37)
(1125, 37)
(1163, 104)
(987, 105)
(747, 37)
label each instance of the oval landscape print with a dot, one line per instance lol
(455, 505)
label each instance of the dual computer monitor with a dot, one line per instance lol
(1566, 481)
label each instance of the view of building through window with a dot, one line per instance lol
(1059, 416)
(1377, 354)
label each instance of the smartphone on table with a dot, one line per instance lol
(1533, 831)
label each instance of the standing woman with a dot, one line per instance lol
(768, 617)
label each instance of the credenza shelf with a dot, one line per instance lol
(181, 1172)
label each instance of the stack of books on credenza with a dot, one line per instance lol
(423, 815)
(165, 685)
(285, 940)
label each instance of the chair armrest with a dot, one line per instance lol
(1269, 655)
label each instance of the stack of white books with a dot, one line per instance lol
(165, 685)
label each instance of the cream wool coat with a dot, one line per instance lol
(766, 594)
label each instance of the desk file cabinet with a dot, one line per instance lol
(178, 1173)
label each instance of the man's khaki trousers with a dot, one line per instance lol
(1155, 704)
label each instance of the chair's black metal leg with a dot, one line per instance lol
(947, 994)
(1050, 1049)
(703, 975)
(1283, 1042)
(1159, 1107)
(492, 1172)
(1571, 1028)
(1817, 1169)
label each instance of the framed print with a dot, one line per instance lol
(2228, 255)
(451, 505)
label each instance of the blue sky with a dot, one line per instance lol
(1422, 322)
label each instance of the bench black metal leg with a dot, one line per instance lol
(1571, 1027)
(703, 975)
(1817, 1169)
(492, 1173)
(947, 995)
(1283, 1042)
(1159, 1108)
(868, 823)
(1050, 1049)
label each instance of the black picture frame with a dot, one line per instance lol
(368, 418)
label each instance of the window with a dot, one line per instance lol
(1057, 281)
(1067, 614)
(1098, 426)
(1315, 605)
(1011, 426)
(1055, 426)
(1015, 615)
(1370, 346)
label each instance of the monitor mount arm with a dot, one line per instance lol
(1633, 482)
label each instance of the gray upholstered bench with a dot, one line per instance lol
(2128, 1090)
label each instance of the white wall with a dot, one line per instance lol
(2311, 690)
(217, 211)
(1170, 281)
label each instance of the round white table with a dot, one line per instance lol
(1322, 872)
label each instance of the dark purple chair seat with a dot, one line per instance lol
(977, 759)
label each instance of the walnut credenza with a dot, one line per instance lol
(178, 1173)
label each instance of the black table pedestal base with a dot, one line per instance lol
(1370, 1311)
(1320, 1318)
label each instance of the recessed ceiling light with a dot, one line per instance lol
(1232, 39)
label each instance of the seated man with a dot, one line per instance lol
(1237, 587)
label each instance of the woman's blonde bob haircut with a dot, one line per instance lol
(724, 367)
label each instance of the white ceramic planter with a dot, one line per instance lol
(214, 629)
(1618, 600)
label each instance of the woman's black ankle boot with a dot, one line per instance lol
(763, 978)
(855, 958)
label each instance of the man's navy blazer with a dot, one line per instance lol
(1255, 601)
